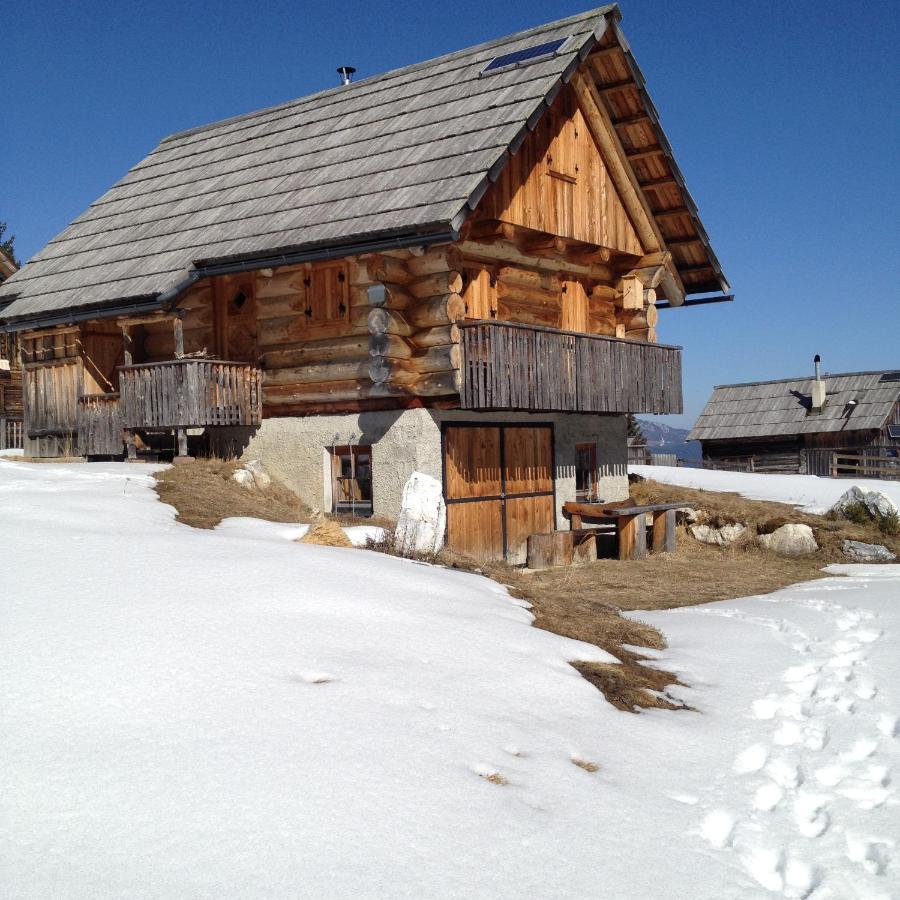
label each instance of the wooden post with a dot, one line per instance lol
(664, 531)
(127, 345)
(179, 337)
(632, 536)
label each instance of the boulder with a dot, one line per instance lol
(687, 515)
(260, 476)
(423, 516)
(244, 479)
(727, 534)
(876, 503)
(790, 540)
(860, 552)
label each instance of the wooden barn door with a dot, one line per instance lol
(498, 484)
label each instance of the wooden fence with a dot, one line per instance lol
(190, 393)
(99, 419)
(869, 462)
(11, 433)
(506, 365)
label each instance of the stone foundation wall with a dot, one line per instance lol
(296, 450)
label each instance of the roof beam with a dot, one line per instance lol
(607, 140)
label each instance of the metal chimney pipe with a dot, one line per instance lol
(817, 360)
(346, 73)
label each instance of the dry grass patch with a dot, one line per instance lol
(764, 517)
(584, 764)
(326, 533)
(203, 493)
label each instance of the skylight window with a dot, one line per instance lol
(523, 57)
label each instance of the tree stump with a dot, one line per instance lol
(546, 551)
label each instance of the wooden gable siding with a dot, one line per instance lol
(559, 184)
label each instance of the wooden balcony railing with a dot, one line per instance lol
(506, 365)
(190, 393)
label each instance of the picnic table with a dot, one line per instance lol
(631, 521)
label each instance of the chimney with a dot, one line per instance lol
(818, 389)
(346, 73)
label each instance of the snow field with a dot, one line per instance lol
(810, 493)
(199, 714)
(809, 808)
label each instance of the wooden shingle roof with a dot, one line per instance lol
(854, 401)
(404, 155)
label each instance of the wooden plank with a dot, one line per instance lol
(664, 534)
(632, 532)
(472, 459)
(476, 529)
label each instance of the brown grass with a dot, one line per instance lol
(584, 602)
(584, 764)
(203, 493)
(326, 533)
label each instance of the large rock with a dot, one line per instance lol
(423, 516)
(875, 503)
(790, 540)
(260, 476)
(727, 534)
(860, 552)
(687, 515)
(244, 479)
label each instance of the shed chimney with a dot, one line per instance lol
(346, 73)
(818, 388)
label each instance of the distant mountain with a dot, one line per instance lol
(662, 438)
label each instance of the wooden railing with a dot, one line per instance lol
(190, 393)
(99, 423)
(870, 462)
(506, 365)
(11, 433)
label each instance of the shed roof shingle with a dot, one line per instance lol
(769, 408)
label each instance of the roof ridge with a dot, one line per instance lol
(804, 378)
(596, 12)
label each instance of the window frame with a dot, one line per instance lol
(586, 495)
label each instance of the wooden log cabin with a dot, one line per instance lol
(454, 268)
(842, 423)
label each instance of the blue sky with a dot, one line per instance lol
(782, 116)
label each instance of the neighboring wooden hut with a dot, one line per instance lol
(797, 424)
(454, 268)
(10, 375)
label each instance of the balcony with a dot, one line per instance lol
(169, 396)
(506, 365)
(190, 393)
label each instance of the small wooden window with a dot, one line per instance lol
(351, 480)
(326, 295)
(586, 472)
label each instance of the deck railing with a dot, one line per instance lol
(506, 365)
(190, 393)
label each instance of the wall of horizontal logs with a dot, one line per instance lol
(375, 330)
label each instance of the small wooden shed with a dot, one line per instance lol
(797, 424)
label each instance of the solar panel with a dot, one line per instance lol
(890, 376)
(529, 54)
(894, 431)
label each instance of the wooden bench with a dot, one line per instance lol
(631, 523)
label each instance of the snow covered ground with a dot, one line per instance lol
(808, 492)
(195, 714)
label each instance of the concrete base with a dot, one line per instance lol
(296, 450)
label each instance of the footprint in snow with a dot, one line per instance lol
(767, 796)
(718, 827)
(811, 814)
(751, 760)
(872, 854)
(776, 871)
(786, 774)
(889, 725)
